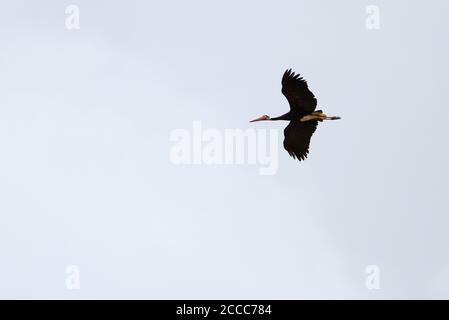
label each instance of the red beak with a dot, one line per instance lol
(260, 119)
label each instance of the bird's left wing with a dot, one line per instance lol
(295, 89)
(297, 137)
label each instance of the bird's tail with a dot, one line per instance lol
(319, 116)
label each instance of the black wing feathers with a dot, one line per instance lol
(295, 89)
(297, 137)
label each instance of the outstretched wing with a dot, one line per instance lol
(295, 89)
(297, 137)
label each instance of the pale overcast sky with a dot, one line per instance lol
(86, 178)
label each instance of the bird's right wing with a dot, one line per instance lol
(295, 89)
(297, 137)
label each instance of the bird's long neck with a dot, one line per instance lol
(286, 116)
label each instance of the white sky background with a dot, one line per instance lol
(85, 176)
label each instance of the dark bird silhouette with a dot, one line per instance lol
(302, 115)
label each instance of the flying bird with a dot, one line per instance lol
(302, 115)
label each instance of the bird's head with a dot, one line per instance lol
(261, 118)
